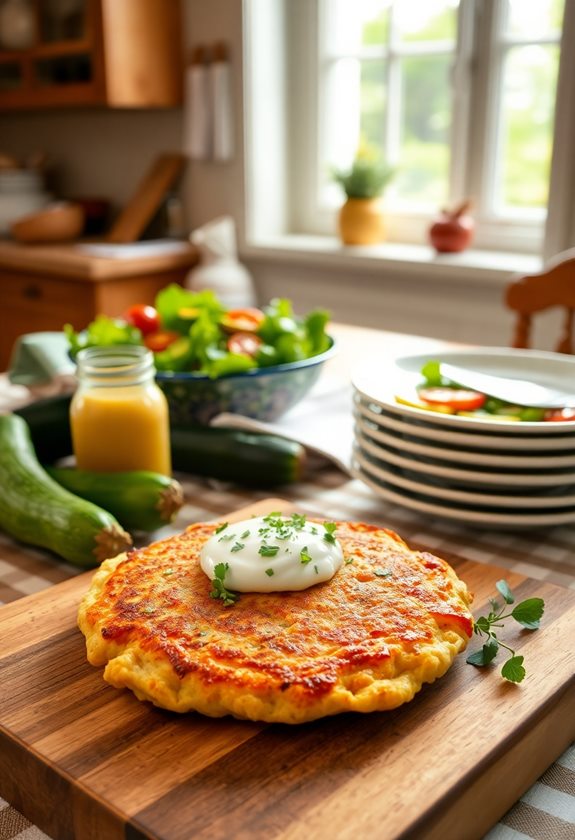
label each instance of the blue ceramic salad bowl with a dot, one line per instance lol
(210, 360)
(262, 394)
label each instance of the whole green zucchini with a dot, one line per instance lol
(254, 459)
(36, 510)
(49, 424)
(140, 500)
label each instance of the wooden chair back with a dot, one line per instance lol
(552, 287)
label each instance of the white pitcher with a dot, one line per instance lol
(219, 268)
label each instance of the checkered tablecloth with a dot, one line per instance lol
(547, 810)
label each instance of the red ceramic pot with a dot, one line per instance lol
(453, 230)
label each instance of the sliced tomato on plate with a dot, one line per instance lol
(244, 343)
(161, 340)
(560, 414)
(242, 320)
(457, 399)
(144, 317)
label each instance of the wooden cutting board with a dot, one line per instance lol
(83, 760)
(132, 221)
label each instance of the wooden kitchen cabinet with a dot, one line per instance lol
(45, 287)
(114, 53)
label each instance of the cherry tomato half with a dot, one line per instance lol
(158, 341)
(560, 414)
(458, 399)
(144, 317)
(244, 343)
(242, 320)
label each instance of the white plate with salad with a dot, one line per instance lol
(484, 440)
(457, 475)
(415, 387)
(461, 513)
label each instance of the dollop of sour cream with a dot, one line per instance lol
(273, 553)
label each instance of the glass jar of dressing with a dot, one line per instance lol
(118, 415)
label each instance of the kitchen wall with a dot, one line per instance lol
(99, 152)
(106, 153)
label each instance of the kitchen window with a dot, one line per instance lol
(460, 97)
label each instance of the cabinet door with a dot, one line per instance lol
(32, 303)
(143, 52)
(64, 65)
(119, 53)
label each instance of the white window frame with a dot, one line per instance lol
(498, 230)
(296, 166)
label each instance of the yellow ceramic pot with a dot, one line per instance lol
(361, 221)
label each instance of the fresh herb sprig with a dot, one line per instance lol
(528, 613)
(219, 589)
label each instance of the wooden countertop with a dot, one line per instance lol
(73, 262)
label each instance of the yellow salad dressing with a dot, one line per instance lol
(119, 417)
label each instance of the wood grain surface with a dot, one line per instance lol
(83, 760)
(132, 221)
(83, 267)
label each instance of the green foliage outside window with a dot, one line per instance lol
(424, 142)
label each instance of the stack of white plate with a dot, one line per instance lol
(480, 471)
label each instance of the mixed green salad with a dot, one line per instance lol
(437, 393)
(193, 331)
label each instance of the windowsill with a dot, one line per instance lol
(417, 260)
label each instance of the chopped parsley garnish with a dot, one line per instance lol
(274, 535)
(168, 572)
(219, 588)
(382, 573)
(348, 560)
(527, 613)
(284, 527)
(330, 528)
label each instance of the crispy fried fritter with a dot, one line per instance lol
(390, 620)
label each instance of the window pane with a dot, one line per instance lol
(426, 122)
(373, 100)
(530, 76)
(535, 20)
(376, 24)
(341, 122)
(352, 25)
(434, 20)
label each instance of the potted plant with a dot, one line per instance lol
(360, 219)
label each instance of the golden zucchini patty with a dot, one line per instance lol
(390, 620)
